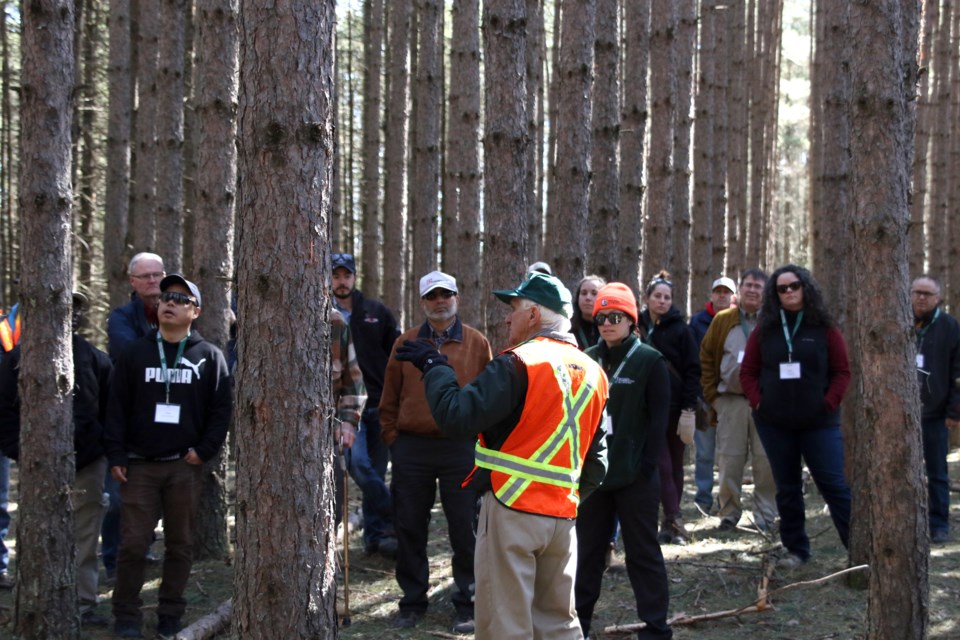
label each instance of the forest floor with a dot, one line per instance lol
(714, 572)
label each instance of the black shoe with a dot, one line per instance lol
(387, 547)
(127, 630)
(726, 526)
(940, 536)
(168, 626)
(463, 623)
(665, 537)
(93, 619)
(406, 620)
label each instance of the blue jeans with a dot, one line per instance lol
(936, 442)
(367, 465)
(706, 443)
(4, 514)
(110, 529)
(822, 451)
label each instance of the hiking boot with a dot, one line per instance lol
(93, 619)
(406, 620)
(665, 536)
(463, 623)
(727, 526)
(127, 629)
(790, 561)
(387, 547)
(940, 536)
(168, 626)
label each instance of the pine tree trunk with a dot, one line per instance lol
(737, 138)
(603, 226)
(938, 214)
(685, 46)
(169, 195)
(536, 54)
(370, 178)
(918, 204)
(702, 265)
(85, 254)
(47, 570)
(142, 219)
(285, 580)
(722, 261)
(425, 171)
(658, 217)
(633, 127)
(883, 69)
(217, 53)
(395, 163)
(462, 183)
(118, 153)
(505, 155)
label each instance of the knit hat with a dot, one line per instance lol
(616, 296)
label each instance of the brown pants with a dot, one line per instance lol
(154, 488)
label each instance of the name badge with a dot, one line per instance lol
(608, 423)
(919, 361)
(789, 370)
(167, 413)
(740, 357)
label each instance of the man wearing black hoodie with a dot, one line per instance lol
(938, 371)
(169, 409)
(91, 380)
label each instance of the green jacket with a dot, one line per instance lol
(638, 408)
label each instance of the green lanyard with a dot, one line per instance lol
(789, 334)
(163, 360)
(922, 332)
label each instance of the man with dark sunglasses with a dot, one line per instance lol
(373, 329)
(169, 408)
(423, 457)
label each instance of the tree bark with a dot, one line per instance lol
(47, 570)
(658, 217)
(737, 138)
(924, 118)
(169, 194)
(702, 265)
(633, 127)
(217, 68)
(567, 219)
(536, 55)
(285, 584)
(117, 198)
(142, 223)
(603, 227)
(505, 157)
(685, 48)
(462, 183)
(883, 69)
(370, 177)
(395, 162)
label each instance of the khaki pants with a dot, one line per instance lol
(736, 438)
(525, 569)
(89, 506)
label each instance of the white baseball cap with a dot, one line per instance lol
(437, 280)
(725, 282)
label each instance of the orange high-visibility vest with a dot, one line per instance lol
(537, 469)
(10, 329)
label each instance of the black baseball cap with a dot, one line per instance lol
(344, 260)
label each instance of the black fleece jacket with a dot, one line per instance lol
(672, 337)
(940, 346)
(200, 386)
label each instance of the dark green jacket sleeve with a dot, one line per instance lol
(595, 464)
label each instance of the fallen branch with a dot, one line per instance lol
(209, 625)
(760, 604)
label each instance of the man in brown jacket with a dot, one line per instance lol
(423, 457)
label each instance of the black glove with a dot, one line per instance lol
(422, 354)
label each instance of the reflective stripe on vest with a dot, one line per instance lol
(540, 467)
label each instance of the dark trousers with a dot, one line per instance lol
(936, 444)
(636, 505)
(367, 464)
(152, 487)
(671, 469)
(419, 465)
(822, 451)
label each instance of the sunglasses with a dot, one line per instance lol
(442, 293)
(613, 318)
(177, 297)
(796, 285)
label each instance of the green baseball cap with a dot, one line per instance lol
(543, 289)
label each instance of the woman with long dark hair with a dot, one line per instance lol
(662, 326)
(794, 374)
(581, 325)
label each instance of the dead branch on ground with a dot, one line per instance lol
(209, 625)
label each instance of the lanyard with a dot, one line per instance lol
(922, 332)
(163, 360)
(789, 334)
(744, 325)
(616, 374)
(583, 337)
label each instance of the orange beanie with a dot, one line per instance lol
(616, 296)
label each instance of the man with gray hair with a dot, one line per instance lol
(423, 457)
(537, 408)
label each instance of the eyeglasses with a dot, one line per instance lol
(796, 285)
(924, 294)
(615, 317)
(177, 297)
(443, 293)
(156, 275)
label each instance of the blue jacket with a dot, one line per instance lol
(125, 325)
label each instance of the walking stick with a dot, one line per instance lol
(346, 538)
